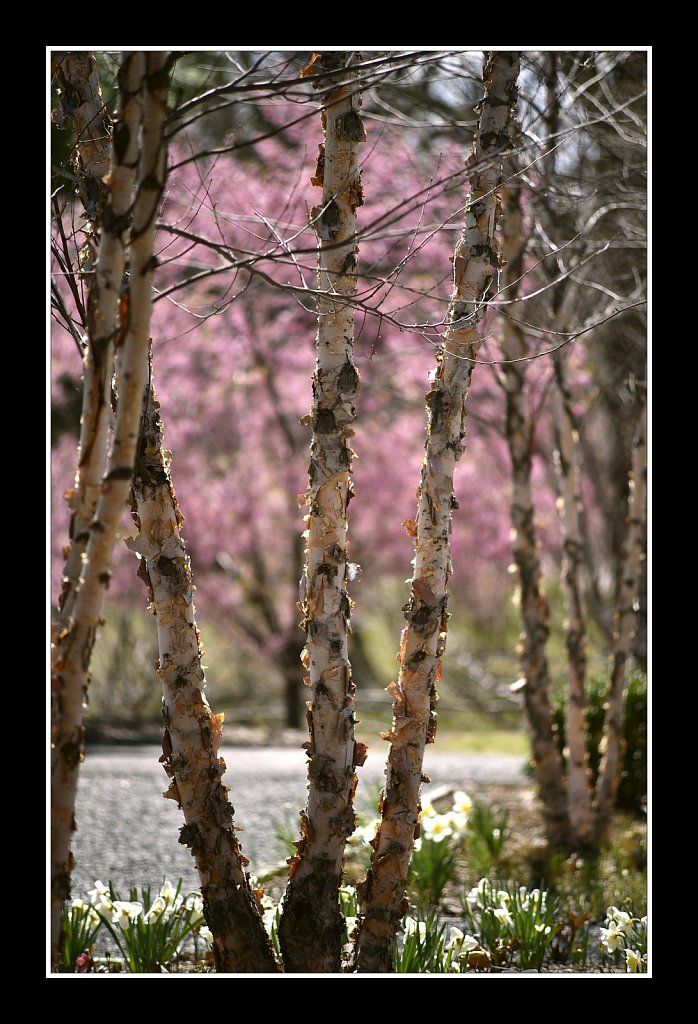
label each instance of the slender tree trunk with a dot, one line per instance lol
(311, 927)
(68, 688)
(192, 734)
(77, 78)
(382, 893)
(73, 649)
(626, 614)
(81, 106)
(566, 458)
(534, 604)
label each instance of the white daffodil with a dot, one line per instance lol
(413, 927)
(437, 828)
(195, 902)
(168, 892)
(123, 913)
(612, 938)
(468, 944)
(503, 897)
(462, 804)
(350, 924)
(206, 934)
(157, 909)
(543, 929)
(503, 916)
(428, 810)
(100, 897)
(455, 937)
(194, 906)
(633, 960)
(85, 911)
(458, 823)
(365, 833)
(625, 923)
(476, 896)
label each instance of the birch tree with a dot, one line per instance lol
(311, 926)
(556, 218)
(625, 622)
(382, 893)
(535, 612)
(191, 733)
(143, 81)
(566, 459)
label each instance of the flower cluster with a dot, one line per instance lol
(453, 825)
(512, 922)
(428, 949)
(625, 937)
(148, 932)
(437, 849)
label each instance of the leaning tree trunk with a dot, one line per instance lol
(533, 603)
(74, 633)
(76, 77)
(192, 734)
(566, 459)
(310, 931)
(148, 74)
(626, 617)
(382, 893)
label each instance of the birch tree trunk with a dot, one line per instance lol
(626, 615)
(566, 461)
(81, 106)
(533, 602)
(192, 734)
(77, 77)
(149, 74)
(382, 893)
(311, 926)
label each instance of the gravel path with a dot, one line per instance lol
(128, 833)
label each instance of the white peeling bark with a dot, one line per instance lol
(81, 106)
(192, 734)
(382, 893)
(534, 608)
(625, 618)
(566, 461)
(75, 642)
(113, 208)
(311, 927)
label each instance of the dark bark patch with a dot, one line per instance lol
(325, 421)
(350, 126)
(120, 473)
